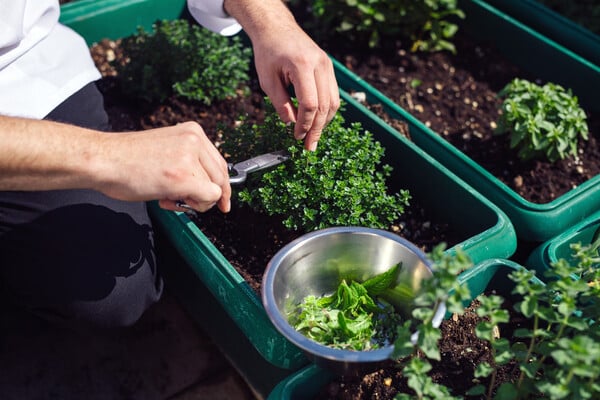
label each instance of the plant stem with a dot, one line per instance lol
(492, 382)
(529, 351)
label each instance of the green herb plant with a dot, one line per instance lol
(351, 318)
(183, 59)
(417, 338)
(558, 355)
(428, 24)
(340, 184)
(542, 121)
(555, 353)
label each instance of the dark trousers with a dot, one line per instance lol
(77, 256)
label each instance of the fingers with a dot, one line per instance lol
(282, 102)
(317, 94)
(209, 195)
(214, 165)
(207, 177)
(318, 101)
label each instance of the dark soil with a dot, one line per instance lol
(457, 98)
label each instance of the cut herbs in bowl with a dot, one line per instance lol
(338, 294)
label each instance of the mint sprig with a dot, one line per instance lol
(350, 318)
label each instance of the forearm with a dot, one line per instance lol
(261, 17)
(44, 155)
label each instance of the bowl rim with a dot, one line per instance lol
(309, 346)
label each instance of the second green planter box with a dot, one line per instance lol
(537, 54)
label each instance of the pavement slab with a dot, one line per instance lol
(165, 355)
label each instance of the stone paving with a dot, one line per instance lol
(164, 356)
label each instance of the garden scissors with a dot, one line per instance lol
(238, 172)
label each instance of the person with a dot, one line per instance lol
(76, 241)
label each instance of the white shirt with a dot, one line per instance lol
(43, 62)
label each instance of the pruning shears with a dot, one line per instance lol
(238, 172)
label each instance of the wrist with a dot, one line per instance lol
(261, 18)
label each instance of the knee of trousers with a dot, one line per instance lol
(81, 261)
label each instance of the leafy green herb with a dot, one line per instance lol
(557, 353)
(428, 24)
(543, 121)
(413, 353)
(339, 184)
(380, 282)
(182, 59)
(350, 318)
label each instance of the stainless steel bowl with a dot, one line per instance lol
(315, 264)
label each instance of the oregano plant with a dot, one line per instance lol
(184, 59)
(554, 350)
(417, 339)
(542, 121)
(342, 183)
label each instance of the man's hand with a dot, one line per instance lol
(285, 55)
(169, 164)
(165, 164)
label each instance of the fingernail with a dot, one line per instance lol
(313, 146)
(301, 136)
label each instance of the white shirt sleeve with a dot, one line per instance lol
(24, 24)
(41, 61)
(212, 15)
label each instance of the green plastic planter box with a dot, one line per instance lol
(487, 232)
(559, 247)
(113, 19)
(306, 383)
(555, 26)
(533, 222)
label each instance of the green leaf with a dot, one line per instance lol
(542, 121)
(483, 370)
(478, 390)
(380, 282)
(506, 391)
(348, 319)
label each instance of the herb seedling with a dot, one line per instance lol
(542, 121)
(352, 317)
(339, 184)
(185, 60)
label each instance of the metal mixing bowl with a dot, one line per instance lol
(315, 264)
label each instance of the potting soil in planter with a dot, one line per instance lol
(456, 96)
